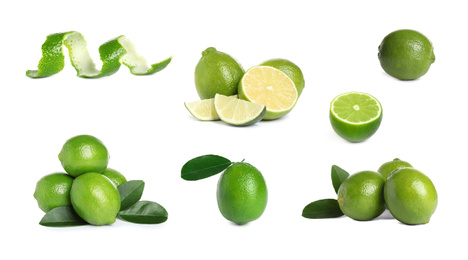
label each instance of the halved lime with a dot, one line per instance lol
(238, 112)
(355, 116)
(270, 87)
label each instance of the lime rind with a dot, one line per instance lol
(238, 112)
(112, 53)
(370, 108)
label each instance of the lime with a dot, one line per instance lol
(217, 73)
(238, 112)
(406, 54)
(113, 53)
(290, 69)
(95, 198)
(116, 177)
(203, 109)
(270, 87)
(388, 167)
(410, 196)
(242, 193)
(360, 196)
(53, 191)
(355, 116)
(83, 153)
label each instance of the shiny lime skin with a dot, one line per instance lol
(82, 154)
(410, 196)
(354, 133)
(53, 191)
(217, 73)
(115, 176)
(388, 167)
(242, 193)
(406, 54)
(360, 196)
(95, 198)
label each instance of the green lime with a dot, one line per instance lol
(238, 112)
(95, 198)
(217, 73)
(116, 177)
(270, 87)
(53, 191)
(290, 69)
(203, 110)
(360, 196)
(388, 167)
(82, 154)
(410, 196)
(242, 193)
(355, 116)
(406, 54)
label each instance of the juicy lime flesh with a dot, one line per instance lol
(95, 198)
(270, 87)
(356, 108)
(290, 69)
(53, 191)
(238, 112)
(410, 196)
(360, 196)
(203, 109)
(242, 193)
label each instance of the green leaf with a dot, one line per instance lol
(338, 175)
(144, 212)
(203, 167)
(62, 217)
(326, 208)
(130, 193)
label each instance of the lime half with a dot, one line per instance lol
(355, 116)
(113, 53)
(270, 87)
(238, 112)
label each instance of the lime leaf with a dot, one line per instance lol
(144, 212)
(62, 217)
(326, 208)
(130, 193)
(338, 175)
(203, 167)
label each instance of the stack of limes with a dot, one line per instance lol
(274, 86)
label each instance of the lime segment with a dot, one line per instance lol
(113, 53)
(202, 109)
(238, 112)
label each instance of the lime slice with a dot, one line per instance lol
(113, 53)
(204, 110)
(355, 116)
(238, 112)
(270, 87)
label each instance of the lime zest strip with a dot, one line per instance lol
(112, 53)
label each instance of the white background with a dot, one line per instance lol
(150, 135)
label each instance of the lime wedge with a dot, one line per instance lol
(355, 116)
(113, 53)
(204, 110)
(270, 87)
(238, 112)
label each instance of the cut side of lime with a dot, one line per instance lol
(270, 87)
(355, 116)
(238, 112)
(113, 53)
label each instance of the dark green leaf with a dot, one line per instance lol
(144, 212)
(326, 208)
(203, 167)
(338, 175)
(62, 217)
(130, 193)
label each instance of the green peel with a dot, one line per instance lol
(113, 53)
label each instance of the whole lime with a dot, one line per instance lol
(388, 167)
(410, 196)
(290, 69)
(82, 154)
(53, 191)
(116, 177)
(360, 196)
(242, 193)
(406, 54)
(95, 198)
(217, 72)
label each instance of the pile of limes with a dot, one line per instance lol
(89, 192)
